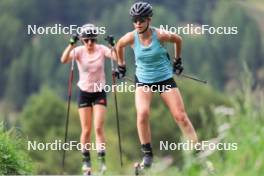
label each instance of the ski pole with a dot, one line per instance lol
(117, 116)
(68, 108)
(110, 40)
(188, 76)
(193, 78)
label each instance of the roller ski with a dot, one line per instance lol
(102, 165)
(86, 168)
(140, 168)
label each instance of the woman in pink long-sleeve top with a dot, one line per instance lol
(90, 58)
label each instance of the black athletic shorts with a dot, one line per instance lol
(160, 87)
(86, 99)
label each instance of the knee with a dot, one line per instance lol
(86, 133)
(99, 131)
(142, 116)
(144, 113)
(180, 115)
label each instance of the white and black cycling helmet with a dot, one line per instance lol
(141, 9)
(89, 31)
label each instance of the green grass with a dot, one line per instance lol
(13, 160)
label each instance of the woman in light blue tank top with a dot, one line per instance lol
(152, 62)
(154, 73)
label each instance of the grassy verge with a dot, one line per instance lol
(13, 160)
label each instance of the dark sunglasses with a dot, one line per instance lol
(87, 40)
(139, 19)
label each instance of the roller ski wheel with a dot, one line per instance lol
(102, 169)
(139, 169)
(86, 169)
(87, 172)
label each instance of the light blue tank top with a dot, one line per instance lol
(152, 62)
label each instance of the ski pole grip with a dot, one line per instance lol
(110, 39)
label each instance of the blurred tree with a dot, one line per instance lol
(10, 46)
(198, 57)
(251, 49)
(39, 64)
(43, 121)
(228, 55)
(194, 11)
